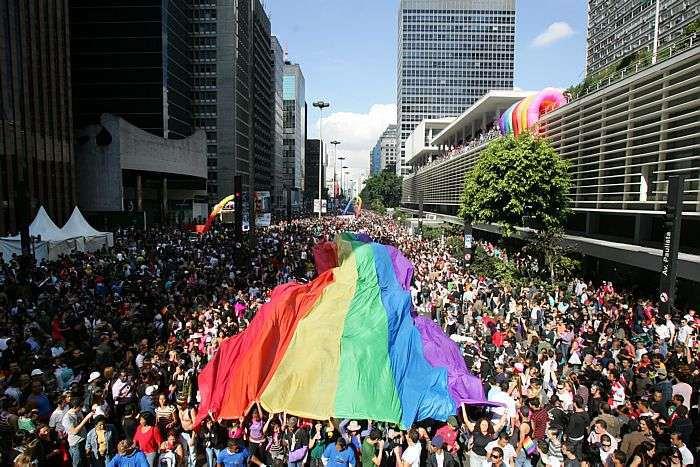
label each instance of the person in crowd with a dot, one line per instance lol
(148, 437)
(338, 454)
(74, 426)
(101, 442)
(581, 371)
(128, 455)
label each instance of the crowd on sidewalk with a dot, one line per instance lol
(99, 357)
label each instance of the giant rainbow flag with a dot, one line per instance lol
(345, 345)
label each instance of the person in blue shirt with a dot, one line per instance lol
(338, 455)
(236, 455)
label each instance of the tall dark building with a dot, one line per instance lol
(36, 132)
(133, 59)
(234, 92)
(244, 120)
(263, 102)
(313, 146)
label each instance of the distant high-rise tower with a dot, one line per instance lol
(233, 93)
(383, 154)
(618, 29)
(450, 53)
(293, 93)
(277, 57)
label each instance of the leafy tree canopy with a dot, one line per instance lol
(518, 181)
(384, 187)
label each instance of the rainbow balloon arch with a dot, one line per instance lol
(525, 114)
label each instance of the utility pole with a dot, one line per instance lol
(321, 105)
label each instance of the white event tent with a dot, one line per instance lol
(93, 239)
(77, 234)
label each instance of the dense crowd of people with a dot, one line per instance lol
(100, 352)
(461, 148)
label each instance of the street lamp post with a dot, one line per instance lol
(347, 182)
(321, 105)
(335, 164)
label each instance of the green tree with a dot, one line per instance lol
(517, 179)
(385, 187)
(377, 206)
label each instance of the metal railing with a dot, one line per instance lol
(665, 53)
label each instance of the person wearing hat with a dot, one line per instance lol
(372, 449)
(438, 457)
(352, 432)
(93, 384)
(448, 433)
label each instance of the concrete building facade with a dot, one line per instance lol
(450, 53)
(384, 154)
(36, 132)
(623, 141)
(618, 29)
(124, 168)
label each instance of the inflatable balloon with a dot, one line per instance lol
(525, 113)
(547, 100)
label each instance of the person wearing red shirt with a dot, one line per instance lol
(148, 437)
(448, 433)
(497, 339)
(539, 418)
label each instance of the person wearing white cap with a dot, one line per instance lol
(92, 386)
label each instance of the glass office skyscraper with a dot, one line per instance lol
(450, 53)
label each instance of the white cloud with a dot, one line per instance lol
(357, 133)
(554, 33)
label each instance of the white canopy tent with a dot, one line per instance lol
(50, 242)
(78, 227)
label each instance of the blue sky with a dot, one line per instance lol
(347, 51)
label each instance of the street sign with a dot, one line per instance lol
(317, 205)
(670, 242)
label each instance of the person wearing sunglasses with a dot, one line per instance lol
(680, 446)
(495, 459)
(606, 448)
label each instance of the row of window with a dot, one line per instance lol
(493, 61)
(432, 55)
(506, 44)
(458, 18)
(485, 34)
(447, 28)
